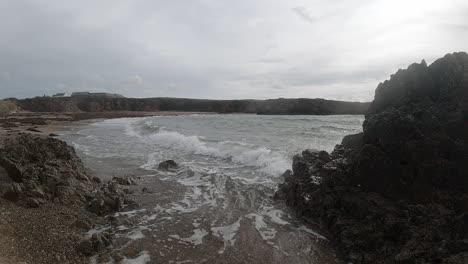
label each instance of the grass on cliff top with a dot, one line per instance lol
(6, 107)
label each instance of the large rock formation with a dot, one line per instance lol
(37, 169)
(398, 192)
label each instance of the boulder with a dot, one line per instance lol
(168, 165)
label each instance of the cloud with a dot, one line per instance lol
(221, 49)
(303, 14)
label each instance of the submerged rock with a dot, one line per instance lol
(168, 165)
(398, 192)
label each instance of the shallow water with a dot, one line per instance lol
(217, 208)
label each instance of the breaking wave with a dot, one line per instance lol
(270, 162)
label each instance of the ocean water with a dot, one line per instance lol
(217, 207)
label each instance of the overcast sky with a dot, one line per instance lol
(221, 48)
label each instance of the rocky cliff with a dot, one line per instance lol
(398, 192)
(274, 106)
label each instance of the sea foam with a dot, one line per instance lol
(270, 162)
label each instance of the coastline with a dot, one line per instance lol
(60, 227)
(398, 191)
(52, 231)
(54, 122)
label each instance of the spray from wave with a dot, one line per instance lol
(270, 162)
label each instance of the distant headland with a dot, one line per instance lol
(103, 102)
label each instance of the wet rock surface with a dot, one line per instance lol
(168, 165)
(398, 192)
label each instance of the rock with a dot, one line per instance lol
(38, 192)
(53, 135)
(32, 203)
(398, 191)
(97, 243)
(108, 199)
(43, 168)
(32, 129)
(12, 191)
(461, 258)
(126, 180)
(353, 142)
(96, 180)
(168, 165)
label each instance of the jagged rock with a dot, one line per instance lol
(396, 193)
(43, 168)
(126, 180)
(168, 165)
(108, 199)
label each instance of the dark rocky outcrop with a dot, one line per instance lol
(273, 106)
(36, 169)
(168, 165)
(39, 169)
(43, 172)
(398, 192)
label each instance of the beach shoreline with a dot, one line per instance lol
(50, 232)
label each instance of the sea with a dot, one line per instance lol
(217, 206)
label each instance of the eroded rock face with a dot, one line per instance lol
(39, 168)
(398, 192)
(35, 170)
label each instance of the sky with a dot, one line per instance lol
(221, 49)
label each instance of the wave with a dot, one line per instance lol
(271, 162)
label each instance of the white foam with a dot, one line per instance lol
(227, 233)
(130, 213)
(275, 216)
(269, 161)
(97, 230)
(136, 234)
(143, 258)
(262, 228)
(310, 231)
(197, 237)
